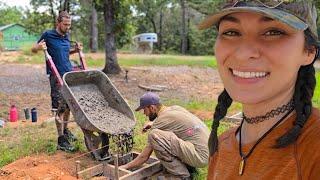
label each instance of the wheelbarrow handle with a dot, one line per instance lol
(82, 60)
(53, 68)
(81, 56)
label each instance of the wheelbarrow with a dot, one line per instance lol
(97, 127)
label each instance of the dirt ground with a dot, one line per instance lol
(60, 166)
(27, 86)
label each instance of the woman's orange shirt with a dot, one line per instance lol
(300, 160)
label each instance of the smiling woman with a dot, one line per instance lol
(265, 52)
(250, 54)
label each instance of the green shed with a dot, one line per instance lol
(14, 37)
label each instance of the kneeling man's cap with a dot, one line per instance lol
(148, 99)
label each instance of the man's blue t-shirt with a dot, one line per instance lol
(58, 47)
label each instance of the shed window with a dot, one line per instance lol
(16, 37)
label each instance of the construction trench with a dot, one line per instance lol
(107, 122)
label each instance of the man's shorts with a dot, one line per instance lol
(57, 100)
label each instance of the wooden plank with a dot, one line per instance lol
(144, 172)
(90, 172)
(109, 171)
(150, 168)
(99, 178)
(100, 169)
(149, 88)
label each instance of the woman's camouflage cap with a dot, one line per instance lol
(299, 14)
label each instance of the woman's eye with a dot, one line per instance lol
(274, 33)
(231, 33)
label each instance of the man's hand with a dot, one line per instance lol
(39, 46)
(147, 126)
(140, 159)
(79, 46)
(42, 45)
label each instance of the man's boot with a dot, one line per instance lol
(70, 137)
(64, 145)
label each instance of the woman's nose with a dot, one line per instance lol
(247, 50)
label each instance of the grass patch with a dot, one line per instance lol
(30, 59)
(32, 139)
(140, 139)
(316, 96)
(201, 105)
(125, 60)
(129, 60)
(168, 60)
(23, 141)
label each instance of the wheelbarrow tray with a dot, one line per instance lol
(111, 95)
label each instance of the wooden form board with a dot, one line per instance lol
(151, 167)
(144, 172)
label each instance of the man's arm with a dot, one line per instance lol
(138, 161)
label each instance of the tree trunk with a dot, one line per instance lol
(188, 30)
(160, 30)
(111, 66)
(152, 23)
(94, 30)
(183, 27)
(66, 6)
(60, 5)
(53, 14)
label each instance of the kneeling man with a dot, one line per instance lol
(178, 138)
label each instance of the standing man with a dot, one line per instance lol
(178, 138)
(57, 42)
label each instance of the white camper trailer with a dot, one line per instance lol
(144, 42)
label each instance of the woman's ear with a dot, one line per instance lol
(310, 55)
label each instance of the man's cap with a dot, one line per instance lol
(299, 14)
(148, 99)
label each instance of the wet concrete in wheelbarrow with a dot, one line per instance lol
(100, 113)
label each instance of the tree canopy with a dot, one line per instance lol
(174, 21)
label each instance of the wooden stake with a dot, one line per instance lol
(78, 168)
(116, 166)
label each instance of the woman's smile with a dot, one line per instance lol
(246, 77)
(248, 74)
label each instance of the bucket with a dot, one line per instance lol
(13, 115)
(34, 117)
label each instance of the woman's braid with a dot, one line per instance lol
(224, 102)
(302, 98)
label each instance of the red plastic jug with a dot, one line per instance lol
(13, 115)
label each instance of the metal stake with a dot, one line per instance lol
(126, 76)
